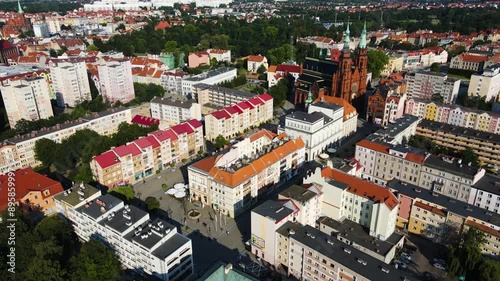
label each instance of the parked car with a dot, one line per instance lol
(439, 260)
(406, 255)
(405, 260)
(429, 276)
(400, 264)
(439, 266)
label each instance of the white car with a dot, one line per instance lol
(406, 255)
(439, 266)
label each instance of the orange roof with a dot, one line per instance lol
(258, 58)
(272, 68)
(162, 25)
(348, 108)
(413, 157)
(270, 135)
(483, 228)
(473, 58)
(429, 208)
(26, 181)
(362, 187)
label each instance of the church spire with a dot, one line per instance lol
(362, 40)
(346, 37)
(309, 99)
(19, 8)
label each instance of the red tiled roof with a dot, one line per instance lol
(233, 110)
(144, 120)
(195, 123)
(107, 159)
(266, 97)
(483, 228)
(220, 114)
(26, 181)
(183, 128)
(162, 25)
(262, 133)
(473, 58)
(4, 45)
(256, 101)
(288, 68)
(362, 187)
(146, 142)
(200, 54)
(244, 105)
(258, 58)
(127, 149)
(431, 209)
(416, 158)
(164, 135)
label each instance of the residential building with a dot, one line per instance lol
(395, 64)
(70, 83)
(425, 84)
(140, 159)
(18, 152)
(331, 78)
(350, 118)
(76, 196)
(172, 82)
(276, 73)
(211, 77)
(485, 145)
(255, 62)
(198, 58)
(231, 181)
(224, 271)
(385, 106)
(491, 234)
(454, 115)
(115, 81)
(158, 249)
(26, 98)
(348, 197)
(145, 121)
(312, 255)
(213, 98)
(41, 30)
(234, 120)
(318, 130)
(219, 55)
(441, 218)
(31, 190)
(398, 132)
(486, 83)
(359, 237)
(485, 193)
(468, 61)
(175, 111)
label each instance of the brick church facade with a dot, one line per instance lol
(344, 75)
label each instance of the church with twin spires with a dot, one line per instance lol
(344, 74)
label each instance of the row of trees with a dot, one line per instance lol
(49, 250)
(73, 155)
(467, 155)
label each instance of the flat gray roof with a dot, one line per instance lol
(298, 193)
(450, 165)
(170, 246)
(275, 210)
(99, 206)
(72, 195)
(119, 221)
(171, 102)
(460, 131)
(224, 90)
(489, 183)
(152, 239)
(211, 73)
(393, 129)
(327, 105)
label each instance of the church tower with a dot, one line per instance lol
(19, 8)
(345, 65)
(362, 62)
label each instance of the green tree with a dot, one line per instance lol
(220, 142)
(170, 46)
(121, 26)
(469, 156)
(44, 151)
(377, 60)
(95, 262)
(437, 97)
(92, 47)
(435, 67)
(45, 265)
(465, 256)
(52, 53)
(262, 69)
(279, 92)
(123, 192)
(152, 203)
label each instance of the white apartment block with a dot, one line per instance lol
(70, 83)
(69, 200)
(41, 30)
(175, 111)
(18, 152)
(425, 84)
(316, 129)
(348, 197)
(230, 182)
(486, 83)
(234, 120)
(152, 247)
(219, 55)
(27, 98)
(300, 204)
(116, 82)
(485, 193)
(212, 77)
(212, 97)
(172, 82)
(454, 115)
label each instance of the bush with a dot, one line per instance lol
(158, 171)
(164, 186)
(184, 160)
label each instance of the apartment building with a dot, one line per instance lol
(384, 108)
(454, 115)
(314, 255)
(300, 204)
(234, 120)
(18, 152)
(211, 77)
(115, 81)
(232, 180)
(76, 196)
(219, 55)
(317, 130)
(485, 193)
(26, 98)
(485, 145)
(350, 114)
(278, 72)
(198, 58)
(213, 98)
(149, 246)
(425, 84)
(348, 197)
(442, 218)
(382, 162)
(397, 132)
(486, 83)
(172, 82)
(140, 159)
(469, 61)
(70, 82)
(396, 63)
(33, 191)
(175, 111)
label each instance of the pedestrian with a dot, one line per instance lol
(227, 232)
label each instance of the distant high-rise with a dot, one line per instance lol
(115, 79)
(70, 83)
